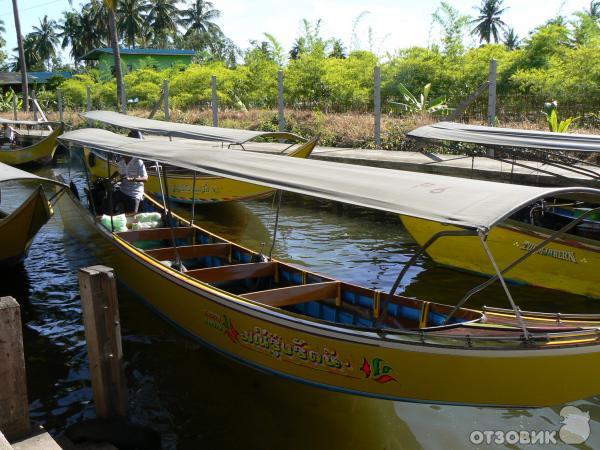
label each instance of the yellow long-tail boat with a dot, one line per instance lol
(40, 152)
(571, 263)
(19, 227)
(180, 184)
(311, 328)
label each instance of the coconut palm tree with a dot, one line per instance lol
(111, 7)
(132, 20)
(594, 11)
(511, 39)
(488, 24)
(199, 18)
(162, 20)
(45, 40)
(23, 65)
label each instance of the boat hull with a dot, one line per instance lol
(209, 189)
(41, 152)
(18, 229)
(570, 264)
(344, 359)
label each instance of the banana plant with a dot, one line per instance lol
(421, 103)
(551, 113)
(6, 101)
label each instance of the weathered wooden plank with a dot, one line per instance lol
(190, 251)
(103, 335)
(293, 295)
(156, 234)
(234, 272)
(14, 405)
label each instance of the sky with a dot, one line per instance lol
(395, 23)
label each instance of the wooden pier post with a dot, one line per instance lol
(14, 405)
(103, 335)
(215, 102)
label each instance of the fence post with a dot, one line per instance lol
(215, 104)
(101, 321)
(492, 100)
(123, 100)
(88, 98)
(280, 105)
(34, 106)
(14, 406)
(15, 106)
(166, 99)
(377, 107)
(60, 105)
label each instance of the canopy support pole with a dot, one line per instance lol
(410, 263)
(517, 311)
(519, 260)
(110, 199)
(164, 192)
(89, 184)
(279, 195)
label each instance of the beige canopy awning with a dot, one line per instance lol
(10, 173)
(508, 137)
(467, 203)
(182, 130)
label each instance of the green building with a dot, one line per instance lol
(133, 58)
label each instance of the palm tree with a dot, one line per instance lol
(132, 20)
(162, 20)
(111, 7)
(199, 18)
(594, 11)
(72, 33)
(489, 22)
(511, 39)
(45, 39)
(96, 13)
(23, 65)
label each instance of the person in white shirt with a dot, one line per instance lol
(131, 190)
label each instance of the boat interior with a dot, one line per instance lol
(242, 272)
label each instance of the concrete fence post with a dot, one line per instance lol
(34, 105)
(492, 100)
(215, 102)
(377, 107)
(166, 99)
(14, 105)
(88, 98)
(280, 104)
(492, 94)
(14, 406)
(59, 100)
(102, 325)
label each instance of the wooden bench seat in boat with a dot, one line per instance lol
(234, 272)
(293, 295)
(190, 251)
(156, 234)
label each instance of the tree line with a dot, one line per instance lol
(558, 60)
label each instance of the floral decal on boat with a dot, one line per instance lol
(377, 370)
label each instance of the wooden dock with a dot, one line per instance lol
(479, 167)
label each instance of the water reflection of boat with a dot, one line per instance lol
(40, 151)
(336, 335)
(19, 227)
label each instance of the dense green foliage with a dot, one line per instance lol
(559, 60)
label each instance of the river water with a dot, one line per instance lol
(198, 399)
